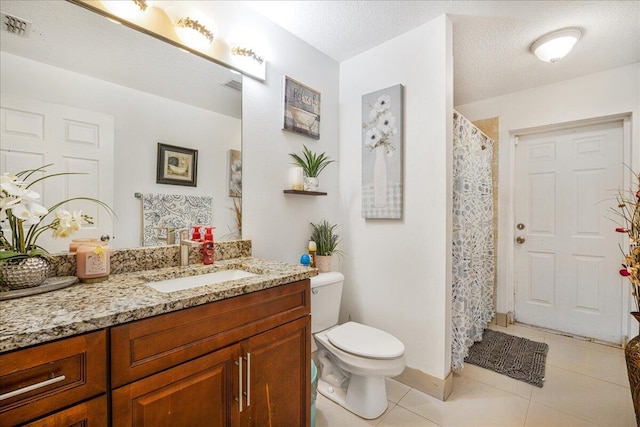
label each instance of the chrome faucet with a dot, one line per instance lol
(185, 244)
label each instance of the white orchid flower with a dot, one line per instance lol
(29, 212)
(67, 224)
(8, 202)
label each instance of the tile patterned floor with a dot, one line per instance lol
(586, 385)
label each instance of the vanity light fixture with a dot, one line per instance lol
(556, 45)
(193, 27)
(127, 9)
(242, 51)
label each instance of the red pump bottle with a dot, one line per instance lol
(207, 246)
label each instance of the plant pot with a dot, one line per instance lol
(632, 357)
(311, 183)
(323, 263)
(23, 273)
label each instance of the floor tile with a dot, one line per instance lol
(604, 348)
(543, 416)
(585, 397)
(472, 403)
(396, 390)
(330, 414)
(588, 360)
(400, 417)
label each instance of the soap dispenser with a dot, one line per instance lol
(207, 246)
(196, 236)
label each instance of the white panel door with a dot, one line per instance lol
(567, 256)
(35, 133)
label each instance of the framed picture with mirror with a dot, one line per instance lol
(177, 165)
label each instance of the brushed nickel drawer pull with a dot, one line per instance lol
(248, 379)
(239, 400)
(32, 387)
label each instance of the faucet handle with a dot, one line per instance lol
(169, 237)
(184, 234)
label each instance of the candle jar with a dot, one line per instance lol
(296, 178)
(93, 261)
(76, 243)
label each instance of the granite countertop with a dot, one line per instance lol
(125, 297)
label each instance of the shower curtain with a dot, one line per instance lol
(473, 250)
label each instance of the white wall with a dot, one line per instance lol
(398, 272)
(608, 93)
(278, 224)
(141, 121)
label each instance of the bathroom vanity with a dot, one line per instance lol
(120, 353)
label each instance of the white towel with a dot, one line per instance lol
(173, 210)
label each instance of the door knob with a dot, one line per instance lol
(520, 239)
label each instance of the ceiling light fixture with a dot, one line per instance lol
(194, 28)
(128, 9)
(556, 45)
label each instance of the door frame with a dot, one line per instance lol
(626, 322)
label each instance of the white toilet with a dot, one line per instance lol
(354, 358)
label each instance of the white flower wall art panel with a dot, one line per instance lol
(382, 154)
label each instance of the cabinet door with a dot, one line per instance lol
(195, 393)
(87, 414)
(278, 379)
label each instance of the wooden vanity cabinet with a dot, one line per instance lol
(55, 380)
(243, 361)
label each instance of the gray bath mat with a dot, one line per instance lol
(515, 357)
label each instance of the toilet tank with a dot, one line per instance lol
(326, 293)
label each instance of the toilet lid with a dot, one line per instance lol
(365, 341)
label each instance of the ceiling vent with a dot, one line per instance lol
(233, 84)
(15, 25)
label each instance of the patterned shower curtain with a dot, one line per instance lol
(473, 250)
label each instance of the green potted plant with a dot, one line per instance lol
(327, 240)
(23, 263)
(312, 164)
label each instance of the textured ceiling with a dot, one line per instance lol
(491, 39)
(491, 42)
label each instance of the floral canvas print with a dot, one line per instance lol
(382, 154)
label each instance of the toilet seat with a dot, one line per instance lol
(365, 341)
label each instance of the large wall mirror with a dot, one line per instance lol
(94, 74)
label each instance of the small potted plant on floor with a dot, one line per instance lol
(327, 241)
(312, 164)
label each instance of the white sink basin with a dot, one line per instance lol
(182, 283)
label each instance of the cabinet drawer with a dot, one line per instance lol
(147, 346)
(41, 379)
(87, 414)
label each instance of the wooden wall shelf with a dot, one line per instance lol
(305, 193)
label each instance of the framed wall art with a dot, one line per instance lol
(235, 173)
(382, 193)
(177, 165)
(301, 109)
